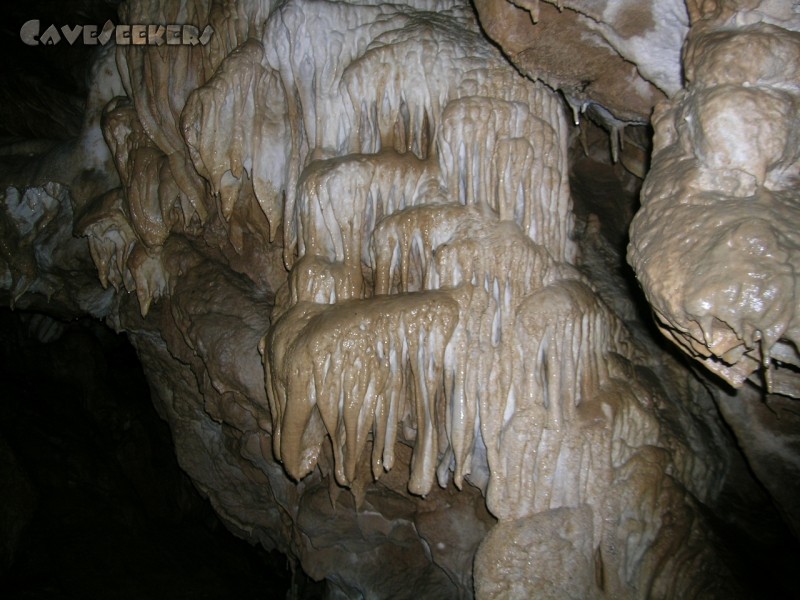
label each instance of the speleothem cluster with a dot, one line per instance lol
(350, 234)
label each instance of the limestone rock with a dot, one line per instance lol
(622, 55)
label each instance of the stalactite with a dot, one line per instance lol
(477, 137)
(111, 240)
(341, 200)
(246, 94)
(351, 362)
(404, 242)
(141, 166)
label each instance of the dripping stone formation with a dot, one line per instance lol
(342, 239)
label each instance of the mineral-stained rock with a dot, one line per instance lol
(595, 52)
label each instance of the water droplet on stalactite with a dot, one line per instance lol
(576, 112)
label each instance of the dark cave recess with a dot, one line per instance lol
(94, 504)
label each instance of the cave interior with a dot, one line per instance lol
(425, 299)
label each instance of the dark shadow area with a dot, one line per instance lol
(44, 86)
(93, 503)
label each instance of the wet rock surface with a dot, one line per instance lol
(714, 245)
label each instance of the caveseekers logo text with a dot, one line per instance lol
(124, 35)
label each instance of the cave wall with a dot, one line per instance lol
(383, 341)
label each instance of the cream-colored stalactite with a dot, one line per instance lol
(403, 244)
(310, 73)
(142, 169)
(317, 279)
(354, 366)
(562, 337)
(111, 240)
(490, 380)
(152, 280)
(491, 265)
(388, 76)
(162, 191)
(159, 84)
(383, 69)
(494, 265)
(128, 227)
(497, 256)
(469, 361)
(433, 52)
(277, 361)
(503, 154)
(236, 124)
(121, 258)
(341, 200)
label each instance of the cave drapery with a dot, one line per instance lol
(341, 237)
